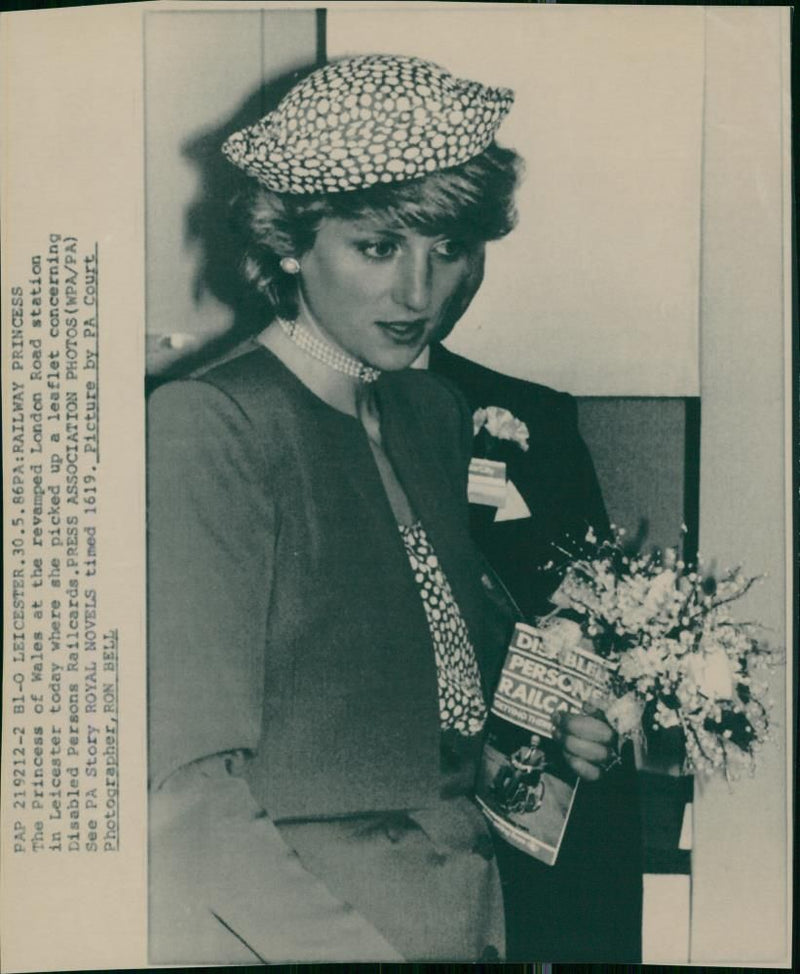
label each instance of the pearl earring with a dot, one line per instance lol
(290, 265)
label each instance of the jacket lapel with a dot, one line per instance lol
(440, 504)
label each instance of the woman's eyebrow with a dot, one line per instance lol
(376, 229)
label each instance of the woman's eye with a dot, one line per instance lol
(450, 249)
(378, 249)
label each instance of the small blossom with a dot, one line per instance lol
(625, 714)
(501, 424)
(562, 635)
(712, 673)
(478, 421)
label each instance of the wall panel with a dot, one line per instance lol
(741, 856)
(206, 73)
(638, 448)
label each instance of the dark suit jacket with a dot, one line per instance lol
(555, 477)
(588, 906)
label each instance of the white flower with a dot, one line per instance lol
(640, 662)
(670, 558)
(501, 424)
(666, 717)
(662, 592)
(575, 593)
(478, 421)
(563, 595)
(562, 635)
(625, 714)
(712, 674)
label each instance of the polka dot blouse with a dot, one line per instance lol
(461, 704)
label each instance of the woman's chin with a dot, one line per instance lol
(393, 356)
(397, 360)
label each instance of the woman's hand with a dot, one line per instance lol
(587, 742)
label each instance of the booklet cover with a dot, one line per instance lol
(525, 786)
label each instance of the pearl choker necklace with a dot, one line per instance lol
(326, 353)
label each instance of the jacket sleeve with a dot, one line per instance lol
(211, 526)
(224, 886)
(569, 498)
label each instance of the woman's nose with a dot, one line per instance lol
(412, 285)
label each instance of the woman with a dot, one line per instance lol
(324, 637)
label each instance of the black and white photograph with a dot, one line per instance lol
(446, 454)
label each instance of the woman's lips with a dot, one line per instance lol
(404, 332)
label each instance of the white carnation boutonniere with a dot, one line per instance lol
(500, 424)
(493, 427)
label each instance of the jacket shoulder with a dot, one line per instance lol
(236, 376)
(430, 393)
(533, 402)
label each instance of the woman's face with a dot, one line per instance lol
(383, 293)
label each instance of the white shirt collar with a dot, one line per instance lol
(423, 359)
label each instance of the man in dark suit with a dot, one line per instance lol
(555, 478)
(588, 907)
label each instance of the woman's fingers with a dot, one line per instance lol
(589, 751)
(585, 726)
(586, 742)
(583, 769)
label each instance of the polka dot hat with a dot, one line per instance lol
(366, 120)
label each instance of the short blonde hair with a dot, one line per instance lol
(473, 202)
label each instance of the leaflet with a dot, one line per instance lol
(525, 787)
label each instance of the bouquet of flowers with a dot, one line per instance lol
(678, 658)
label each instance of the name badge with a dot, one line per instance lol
(487, 482)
